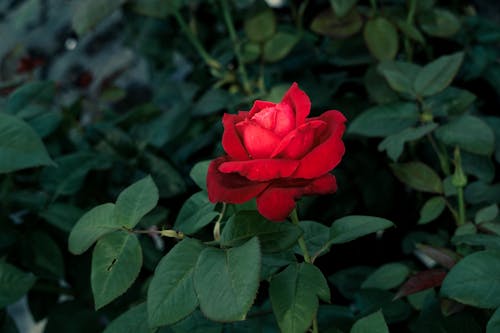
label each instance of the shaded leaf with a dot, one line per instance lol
(199, 174)
(387, 276)
(134, 320)
(279, 46)
(384, 120)
(475, 280)
(394, 144)
(418, 176)
(437, 75)
(470, 133)
(294, 296)
(349, 228)
(196, 212)
(431, 209)
(14, 283)
(261, 26)
(342, 7)
(381, 38)
(273, 237)
(328, 24)
(89, 13)
(20, 146)
(441, 255)
(400, 75)
(374, 323)
(439, 23)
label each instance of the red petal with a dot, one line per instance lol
(297, 143)
(262, 169)
(230, 188)
(300, 103)
(231, 140)
(323, 185)
(280, 119)
(276, 203)
(328, 153)
(259, 106)
(258, 141)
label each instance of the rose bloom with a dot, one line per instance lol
(276, 154)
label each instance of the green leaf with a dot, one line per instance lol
(196, 212)
(378, 88)
(348, 281)
(381, 38)
(212, 101)
(437, 75)
(431, 209)
(410, 31)
(261, 26)
(134, 320)
(14, 283)
(384, 120)
(374, 323)
(166, 177)
(329, 24)
(342, 7)
(394, 144)
(486, 214)
(400, 75)
(387, 276)
(294, 296)
(226, 281)
(418, 176)
(451, 101)
(69, 175)
(91, 226)
(62, 216)
(116, 262)
(46, 255)
(171, 293)
(351, 227)
(279, 46)
(475, 280)
(479, 191)
(136, 201)
(273, 237)
(156, 8)
(89, 13)
(489, 242)
(493, 325)
(199, 174)
(439, 23)
(30, 98)
(20, 146)
(316, 236)
(469, 133)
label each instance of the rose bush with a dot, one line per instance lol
(276, 155)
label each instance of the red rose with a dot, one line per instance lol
(276, 154)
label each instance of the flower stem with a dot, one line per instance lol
(461, 206)
(237, 46)
(301, 241)
(193, 39)
(307, 258)
(216, 231)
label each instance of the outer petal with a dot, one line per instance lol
(328, 153)
(297, 143)
(262, 169)
(230, 188)
(276, 203)
(231, 140)
(300, 103)
(258, 141)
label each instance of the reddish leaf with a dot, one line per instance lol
(442, 256)
(449, 307)
(421, 281)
